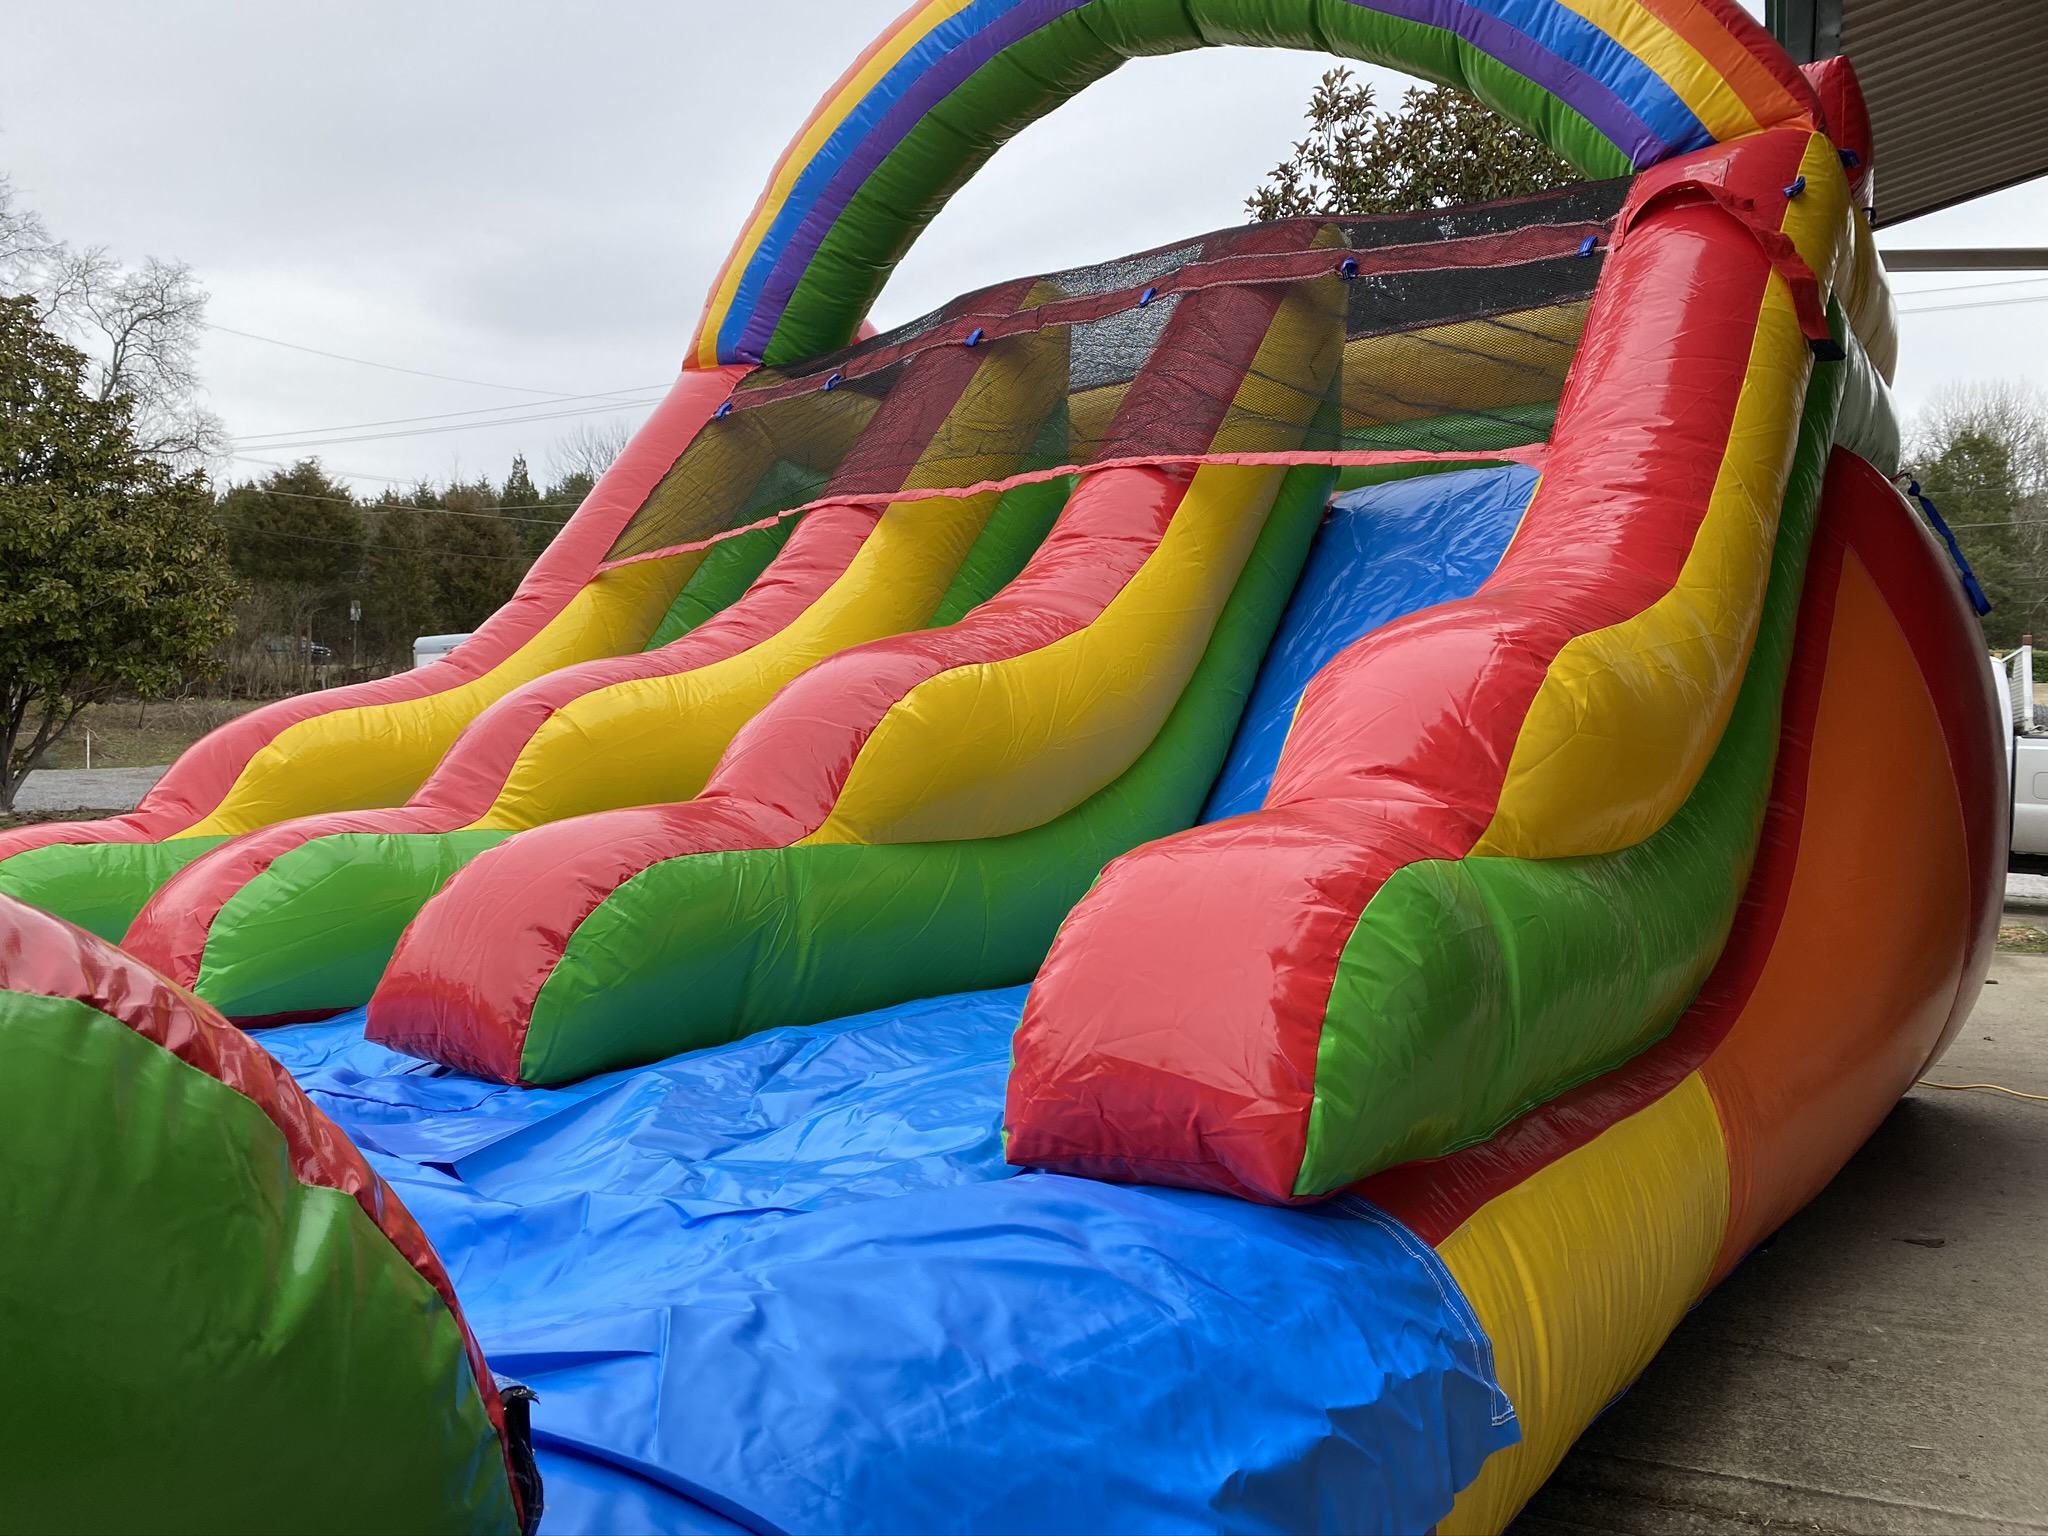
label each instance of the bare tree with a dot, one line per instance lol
(141, 329)
(2010, 413)
(26, 249)
(587, 452)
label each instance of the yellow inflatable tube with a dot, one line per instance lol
(655, 740)
(1580, 1272)
(1628, 716)
(988, 749)
(359, 759)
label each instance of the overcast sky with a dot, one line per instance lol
(532, 198)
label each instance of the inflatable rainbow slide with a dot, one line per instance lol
(1189, 894)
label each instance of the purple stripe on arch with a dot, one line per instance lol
(1501, 40)
(1585, 94)
(932, 87)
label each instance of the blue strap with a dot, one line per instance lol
(1978, 600)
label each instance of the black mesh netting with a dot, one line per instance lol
(1442, 331)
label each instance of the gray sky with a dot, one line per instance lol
(535, 197)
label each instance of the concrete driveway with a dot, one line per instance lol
(1880, 1366)
(95, 789)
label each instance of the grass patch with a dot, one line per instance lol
(130, 733)
(2023, 939)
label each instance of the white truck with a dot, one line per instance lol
(427, 649)
(2028, 748)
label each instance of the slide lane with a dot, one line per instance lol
(1582, 1231)
(829, 929)
(1060, 681)
(288, 920)
(355, 745)
(1277, 1005)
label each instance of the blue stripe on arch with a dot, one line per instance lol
(842, 143)
(1581, 43)
(1554, 47)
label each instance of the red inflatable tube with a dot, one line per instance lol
(462, 984)
(1763, 1066)
(1185, 995)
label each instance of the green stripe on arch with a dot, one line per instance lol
(1031, 77)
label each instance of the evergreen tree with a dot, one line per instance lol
(536, 517)
(474, 556)
(398, 596)
(1438, 148)
(1970, 479)
(296, 537)
(295, 525)
(111, 570)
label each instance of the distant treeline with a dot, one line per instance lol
(427, 561)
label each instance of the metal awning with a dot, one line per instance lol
(1958, 90)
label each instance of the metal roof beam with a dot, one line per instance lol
(1967, 259)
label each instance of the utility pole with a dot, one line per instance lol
(355, 620)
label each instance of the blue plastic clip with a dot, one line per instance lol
(974, 337)
(1147, 297)
(1798, 186)
(1850, 159)
(1589, 245)
(723, 411)
(833, 382)
(1348, 268)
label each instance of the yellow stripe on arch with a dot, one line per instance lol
(1691, 77)
(850, 92)
(1579, 1273)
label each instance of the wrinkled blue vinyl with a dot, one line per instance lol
(1382, 552)
(789, 1284)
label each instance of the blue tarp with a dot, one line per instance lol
(789, 1284)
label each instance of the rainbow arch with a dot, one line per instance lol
(1612, 85)
(1690, 607)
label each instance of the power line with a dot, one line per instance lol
(250, 458)
(467, 426)
(408, 506)
(364, 362)
(258, 439)
(2016, 282)
(1936, 309)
